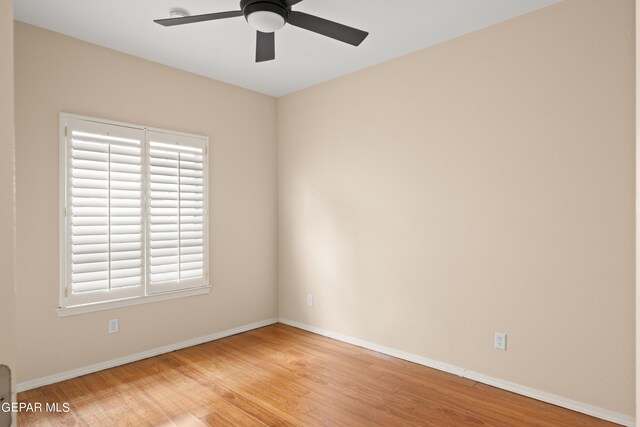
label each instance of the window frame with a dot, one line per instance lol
(69, 305)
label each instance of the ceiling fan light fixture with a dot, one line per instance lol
(266, 21)
(265, 16)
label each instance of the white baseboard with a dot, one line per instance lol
(39, 382)
(584, 408)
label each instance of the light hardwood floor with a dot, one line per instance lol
(280, 376)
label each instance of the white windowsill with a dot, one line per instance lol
(89, 308)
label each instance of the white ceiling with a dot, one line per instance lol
(225, 50)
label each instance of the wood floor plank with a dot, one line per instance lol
(188, 420)
(282, 376)
(236, 415)
(217, 420)
(289, 407)
(260, 397)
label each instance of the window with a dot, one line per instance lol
(134, 221)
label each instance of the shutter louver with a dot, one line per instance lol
(105, 207)
(176, 256)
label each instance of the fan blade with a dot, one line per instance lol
(168, 22)
(327, 28)
(265, 46)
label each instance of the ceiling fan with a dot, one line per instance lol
(268, 16)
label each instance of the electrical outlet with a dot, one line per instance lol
(113, 326)
(309, 300)
(501, 341)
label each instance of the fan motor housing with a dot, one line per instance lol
(276, 6)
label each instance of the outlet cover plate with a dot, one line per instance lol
(501, 341)
(113, 326)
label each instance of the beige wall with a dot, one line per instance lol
(7, 189)
(485, 184)
(637, 206)
(55, 73)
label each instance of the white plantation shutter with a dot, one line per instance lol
(104, 212)
(135, 212)
(177, 204)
